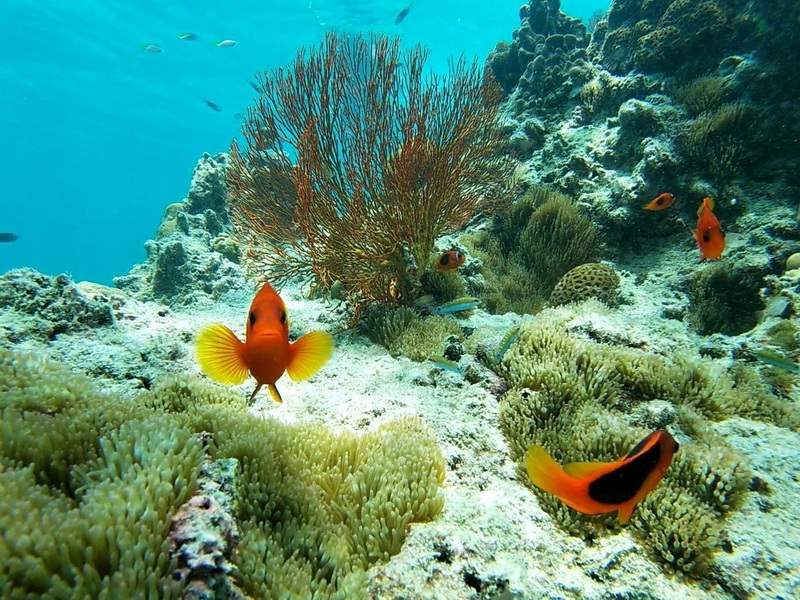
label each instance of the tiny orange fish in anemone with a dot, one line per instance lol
(266, 352)
(594, 488)
(709, 235)
(450, 260)
(660, 202)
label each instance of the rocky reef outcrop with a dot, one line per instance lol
(192, 260)
(692, 98)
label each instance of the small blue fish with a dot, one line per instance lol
(509, 339)
(212, 106)
(188, 36)
(239, 116)
(458, 305)
(774, 359)
(152, 48)
(227, 44)
(8, 237)
(403, 14)
(447, 365)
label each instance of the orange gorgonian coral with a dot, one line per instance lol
(356, 160)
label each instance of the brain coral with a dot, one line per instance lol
(591, 280)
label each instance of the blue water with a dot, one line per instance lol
(97, 136)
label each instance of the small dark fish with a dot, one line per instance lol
(240, 116)
(403, 14)
(188, 36)
(254, 86)
(8, 237)
(212, 106)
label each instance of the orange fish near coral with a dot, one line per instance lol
(266, 352)
(596, 488)
(660, 202)
(450, 261)
(709, 235)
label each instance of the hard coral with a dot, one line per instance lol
(590, 280)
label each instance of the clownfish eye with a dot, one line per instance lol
(252, 318)
(283, 316)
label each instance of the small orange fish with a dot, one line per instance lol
(266, 352)
(596, 488)
(660, 202)
(709, 235)
(450, 261)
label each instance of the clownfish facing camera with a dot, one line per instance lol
(266, 352)
(450, 260)
(594, 488)
(709, 235)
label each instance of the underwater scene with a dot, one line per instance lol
(400, 300)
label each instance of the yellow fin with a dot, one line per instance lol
(219, 355)
(276, 395)
(309, 353)
(543, 470)
(584, 470)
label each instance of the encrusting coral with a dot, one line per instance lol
(585, 401)
(89, 484)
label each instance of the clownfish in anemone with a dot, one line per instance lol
(595, 488)
(450, 260)
(709, 235)
(660, 202)
(266, 352)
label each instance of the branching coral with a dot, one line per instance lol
(386, 161)
(577, 398)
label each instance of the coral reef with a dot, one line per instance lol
(193, 258)
(97, 495)
(724, 299)
(52, 305)
(430, 157)
(529, 248)
(586, 401)
(590, 280)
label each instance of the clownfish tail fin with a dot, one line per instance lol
(219, 354)
(545, 473)
(308, 354)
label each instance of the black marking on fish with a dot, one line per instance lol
(624, 482)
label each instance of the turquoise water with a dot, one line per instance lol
(98, 136)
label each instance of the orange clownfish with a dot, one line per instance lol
(595, 488)
(709, 235)
(660, 202)
(266, 352)
(450, 260)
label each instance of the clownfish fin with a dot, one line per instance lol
(219, 354)
(587, 470)
(253, 395)
(276, 395)
(545, 473)
(625, 512)
(308, 354)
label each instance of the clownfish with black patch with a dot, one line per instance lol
(660, 202)
(450, 260)
(595, 488)
(709, 235)
(266, 352)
